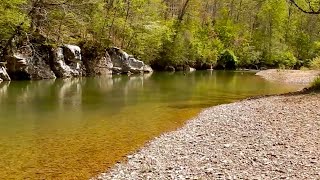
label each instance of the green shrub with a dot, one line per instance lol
(248, 56)
(227, 60)
(315, 85)
(285, 60)
(315, 63)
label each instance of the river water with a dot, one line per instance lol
(77, 128)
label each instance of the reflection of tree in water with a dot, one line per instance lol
(109, 94)
(25, 96)
(69, 93)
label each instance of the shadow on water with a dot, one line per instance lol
(76, 128)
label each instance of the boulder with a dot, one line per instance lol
(124, 63)
(188, 69)
(26, 63)
(96, 62)
(135, 63)
(72, 53)
(67, 61)
(99, 66)
(4, 76)
(116, 70)
(169, 68)
(147, 69)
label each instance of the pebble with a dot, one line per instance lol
(269, 141)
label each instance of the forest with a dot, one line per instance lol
(251, 34)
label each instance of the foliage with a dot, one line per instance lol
(227, 60)
(315, 85)
(285, 59)
(12, 18)
(256, 33)
(315, 63)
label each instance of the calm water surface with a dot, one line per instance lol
(77, 128)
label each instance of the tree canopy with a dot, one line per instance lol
(258, 33)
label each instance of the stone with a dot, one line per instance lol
(72, 53)
(26, 63)
(147, 69)
(4, 76)
(189, 69)
(124, 63)
(169, 68)
(61, 69)
(67, 61)
(72, 57)
(99, 64)
(116, 70)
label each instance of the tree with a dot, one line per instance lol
(313, 6)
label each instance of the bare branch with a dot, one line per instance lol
(311, 11)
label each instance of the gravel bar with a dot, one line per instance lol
(275, 137)
(268, 138)
(290, 76)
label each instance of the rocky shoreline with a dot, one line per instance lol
(273, 137)
(35, 59)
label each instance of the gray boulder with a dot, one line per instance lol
(4, 76)
(97, 63)
(189, 69)
(170, 69)
(26, 63)
(72, 53)
(67, 61)
(117, 70)
(147, 69)
(124, 63)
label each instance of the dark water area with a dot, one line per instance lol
(77, 128)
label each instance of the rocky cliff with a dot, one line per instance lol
(33, 60)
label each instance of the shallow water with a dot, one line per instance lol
(77, 128)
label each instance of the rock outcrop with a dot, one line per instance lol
(30, 59)
(124, 63)
(4, 76)
(29, 62)
(97, 62)
(67, 61)
(147, 69)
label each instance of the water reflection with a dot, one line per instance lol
(75, 128)
(70, 93)
(4, 89)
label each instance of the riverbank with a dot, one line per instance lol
(271, 137)
(289, 76)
